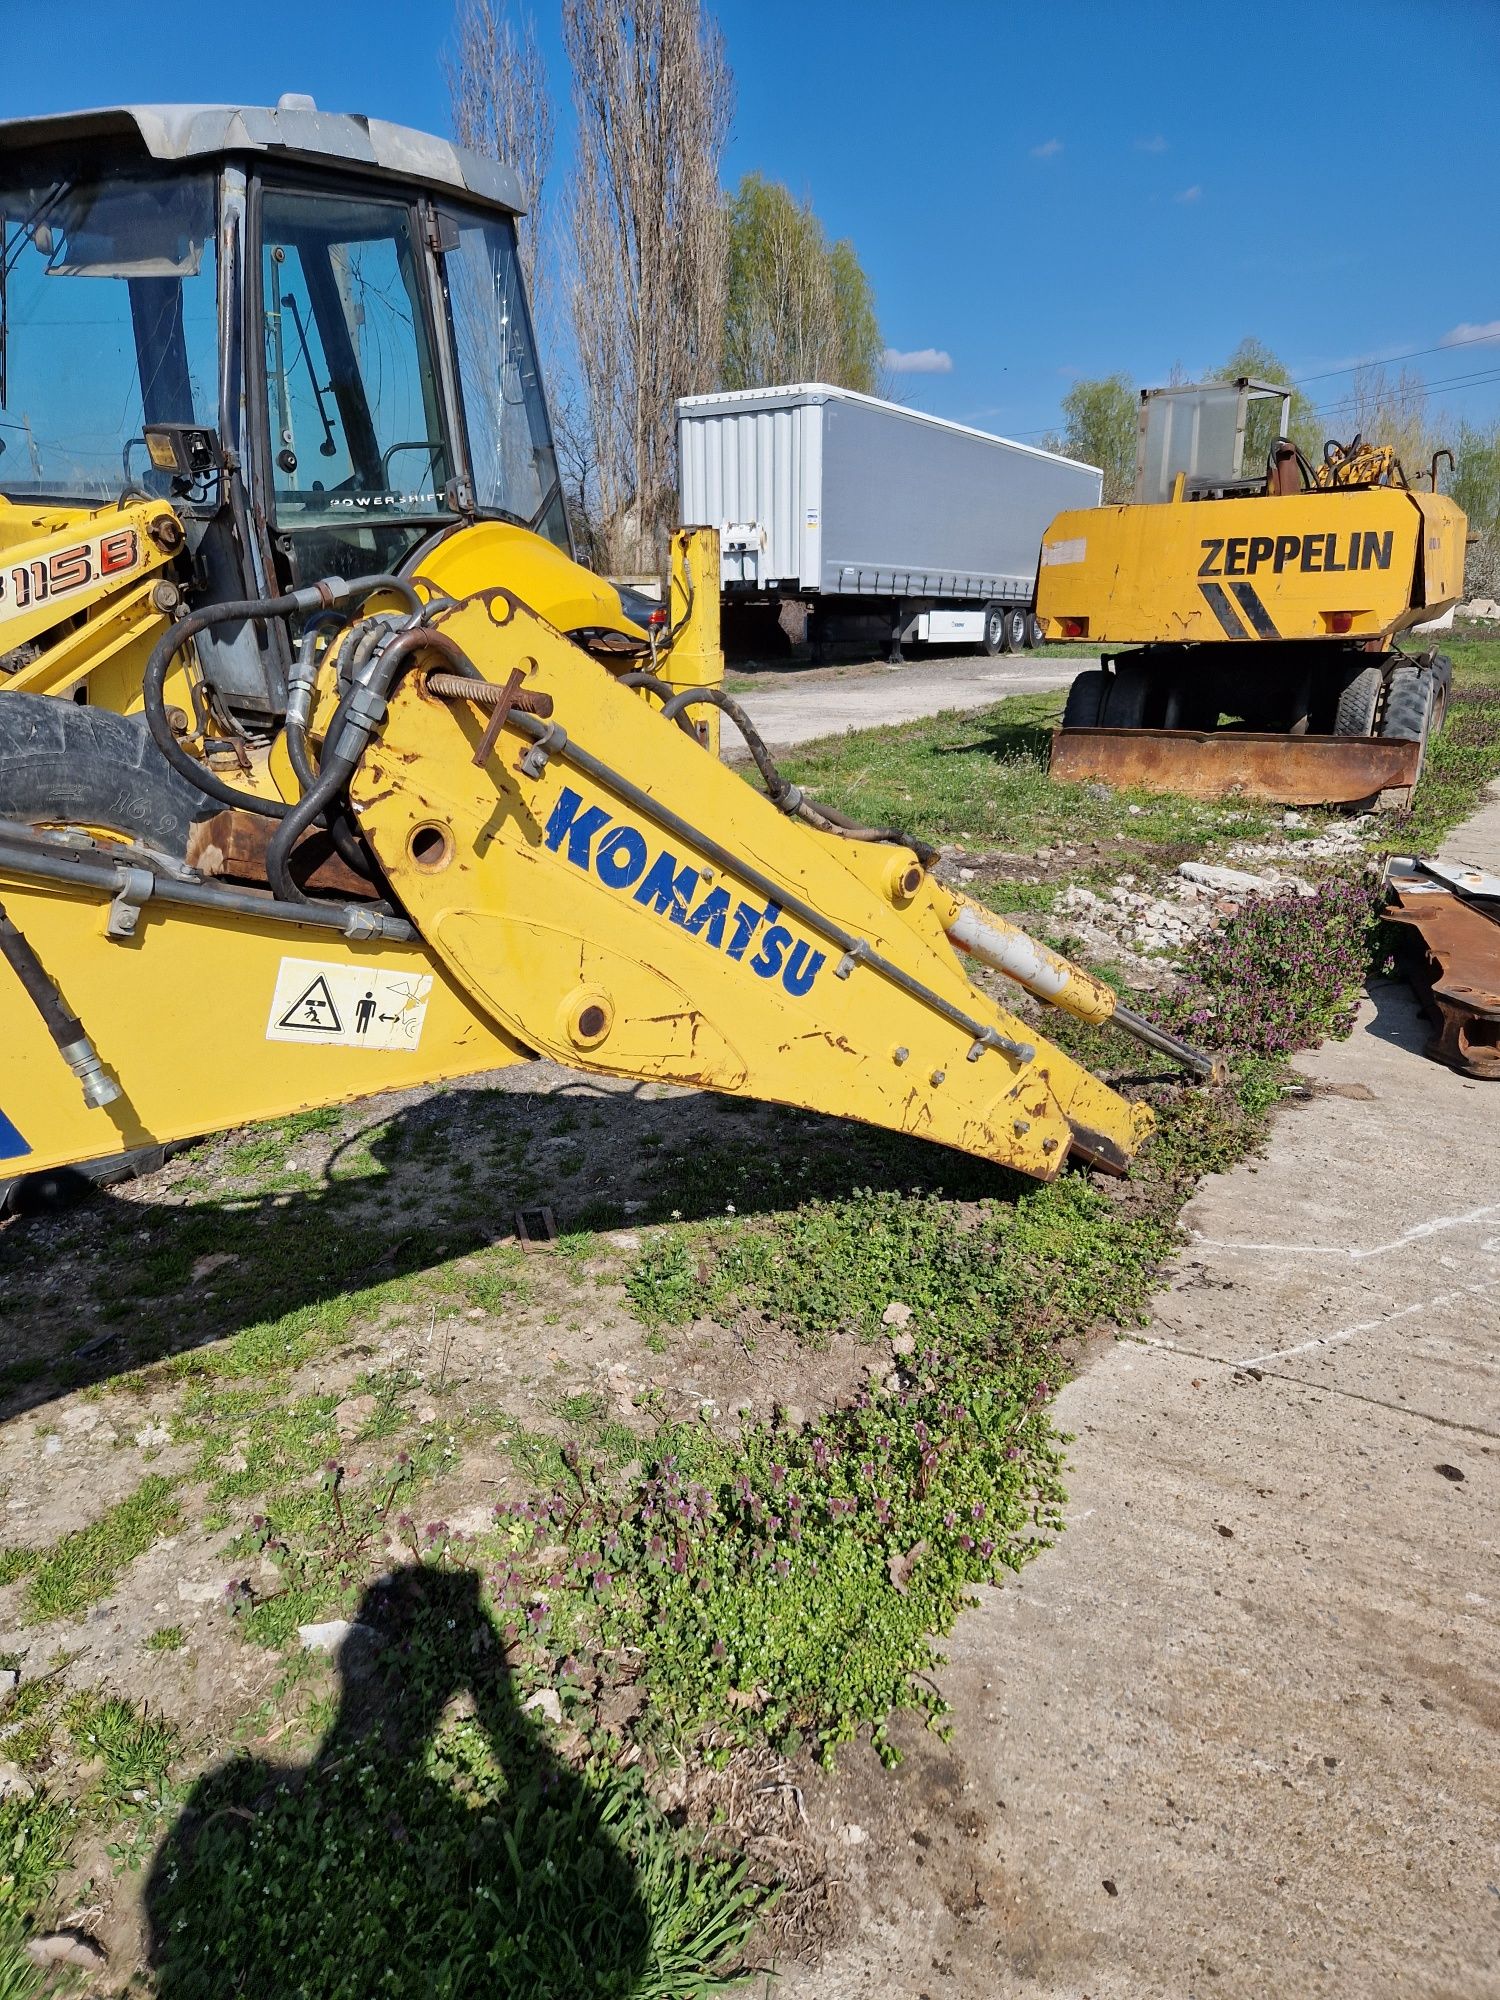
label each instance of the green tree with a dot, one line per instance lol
(1099, 427)
(1253, 358)
(1475, 484)
(800, 309)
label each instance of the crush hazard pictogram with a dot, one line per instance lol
(313, 1012)
(364, 1005)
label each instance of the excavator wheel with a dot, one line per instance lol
(1409, 704)
(62, 764)
(1359, 703)
(1085, 703)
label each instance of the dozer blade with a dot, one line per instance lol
(616, 898)
(1251, 764)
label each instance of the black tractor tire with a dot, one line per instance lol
(1409, 702)
(1358, 706)
(62, 764)
(1085, 702)
(1129, 699)
(1035, 636)
(994, 631)
(1442, 679)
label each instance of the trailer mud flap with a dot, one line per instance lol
(1216, 764)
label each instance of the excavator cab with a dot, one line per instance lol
(308, 332)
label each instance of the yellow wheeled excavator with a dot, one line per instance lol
(325, 769)
(1270, 607)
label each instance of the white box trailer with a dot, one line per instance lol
(883, 521)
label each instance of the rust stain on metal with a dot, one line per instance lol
(1254, 764)
(1455, 970)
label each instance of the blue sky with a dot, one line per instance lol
(1038, 188)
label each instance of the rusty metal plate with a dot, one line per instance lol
(1456, 972)
(1215, 764)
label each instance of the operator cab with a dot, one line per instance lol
(1207, 434)
(308, 330)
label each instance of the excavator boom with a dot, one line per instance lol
(326, 769)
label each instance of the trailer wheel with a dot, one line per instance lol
(1015, 629)
(1085, 703)
(1035, 636)
(66, 765)
(994, 630)
(1359, 703)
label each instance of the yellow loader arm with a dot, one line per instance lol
(574, 875)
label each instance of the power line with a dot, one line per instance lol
(1415, 354)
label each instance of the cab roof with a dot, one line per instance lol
(292, 129)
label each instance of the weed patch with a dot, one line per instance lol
(82, 1567)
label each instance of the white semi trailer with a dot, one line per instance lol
(885, 523)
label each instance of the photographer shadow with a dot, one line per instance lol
(420, 1851)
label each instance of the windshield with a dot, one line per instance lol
(108, 322)
(356, 430)
(510, 441)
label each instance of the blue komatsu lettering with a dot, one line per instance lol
(620, 857)
(708, 920)
(668, 888)
(578, 829)
(745, 922)
(767, 961)
(802, 967)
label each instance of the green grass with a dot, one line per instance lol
(980, 780)
(438, 1851)
(83, 1566)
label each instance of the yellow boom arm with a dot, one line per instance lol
(587, 883)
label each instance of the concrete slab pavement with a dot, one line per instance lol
(795, 707)
(1239, 1730)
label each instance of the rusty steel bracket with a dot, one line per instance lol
(1454, 966)
(498, 714)
(1254, 764)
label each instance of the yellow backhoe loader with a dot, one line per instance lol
(325, 769)
(1265, 600)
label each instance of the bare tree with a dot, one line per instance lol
(497, 88)
(652, 91)
(1387, 409)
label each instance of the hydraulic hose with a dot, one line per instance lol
(355, 720)
(61, 1023)
(783, 794)
(313, 598)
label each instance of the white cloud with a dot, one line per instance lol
(1468, 331)
(919, 361)
(1048, 150)
(1155, 144)
(1194, 193)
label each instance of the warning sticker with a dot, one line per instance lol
(347, 1006)
(1056, 554)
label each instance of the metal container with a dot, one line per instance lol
(820, 492)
